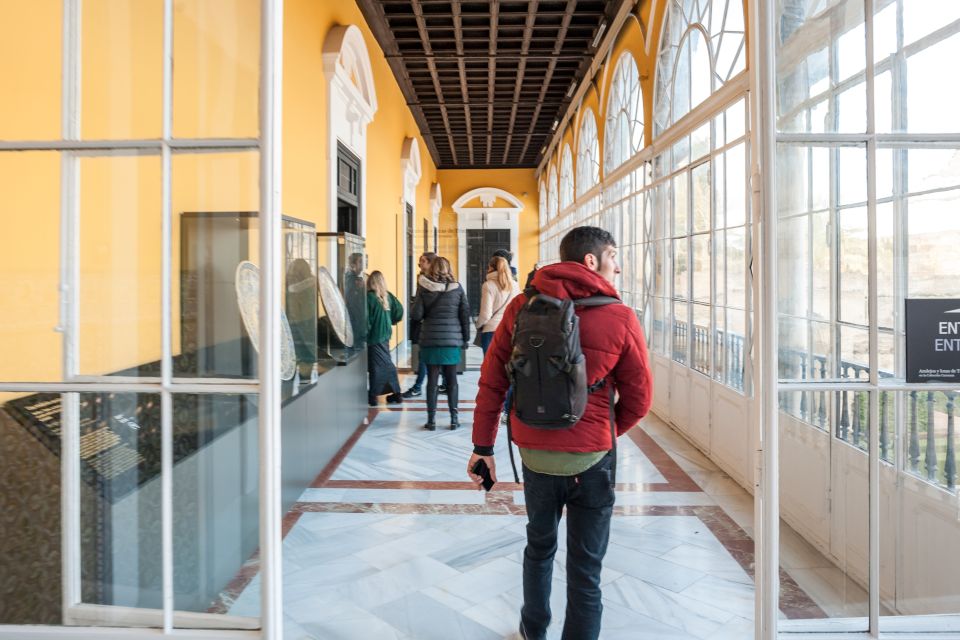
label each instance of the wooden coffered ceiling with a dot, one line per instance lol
(486, 80)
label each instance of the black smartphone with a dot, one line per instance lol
(481, 469)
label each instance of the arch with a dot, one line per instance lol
(566, 178)
(410, 167)
(488, 197)
(623, 121)
(552, 200)
(694, 34)
(543, 203)
(436, 199)
(351, 105)
(588, 153)
(487, 213)
(345, 55)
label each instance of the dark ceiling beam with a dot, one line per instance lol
(568, 15)
(462, 68)
(424, 36)
(524, 48)
(492, 69)
(478, 56)
(374, 16)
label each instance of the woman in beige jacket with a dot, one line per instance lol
(497, 291)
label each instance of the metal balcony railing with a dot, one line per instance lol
(930, 415)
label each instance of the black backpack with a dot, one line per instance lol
(547, 367)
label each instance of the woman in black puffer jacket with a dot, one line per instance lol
(442, 306)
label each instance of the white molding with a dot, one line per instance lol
(351, 105)
(411, 169)
(486, 217)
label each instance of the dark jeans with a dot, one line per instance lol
(421, 375)
(589, 500)
(485, 339)
(450, 382)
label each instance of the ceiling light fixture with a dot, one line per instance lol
(554, 127)
(572, 88)
(600, 32)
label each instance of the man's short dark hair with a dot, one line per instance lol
(503, 253)
(581, 241)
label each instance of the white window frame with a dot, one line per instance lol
(72, 148)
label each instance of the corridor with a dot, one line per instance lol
(391, 541)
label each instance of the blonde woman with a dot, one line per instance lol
(383, 311)
(495, 294)
(441, 305)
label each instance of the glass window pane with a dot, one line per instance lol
(854, 268)
(737, 267)
(718, 183)
(793, 185)
(852, 109)
(120, 499)
(852, 175)
(929, 98)
(216, 501)
(720, 267)
(680, 205)
(122, 69)
(29, 268)
(886, 267)
(216, 55)
(700, 177)
(681, 332)
(736, 186)
(120, 266)
(700, 247)
(851, 51)
(30, 59)
(736, 120)
(700, 339)
(934, 235)
(821, 243)
(929, 169)
(793, 266)
(680, 273)
(215, 229)
(736, 349)
(700, 142)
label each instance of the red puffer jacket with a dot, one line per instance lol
(613, 344)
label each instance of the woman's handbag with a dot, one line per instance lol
(477, 339)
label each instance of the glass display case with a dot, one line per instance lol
(341, 279)
(219, 297)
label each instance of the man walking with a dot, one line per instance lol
(570, 467)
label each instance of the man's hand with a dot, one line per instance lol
(491, 464)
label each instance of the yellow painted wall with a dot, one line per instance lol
(521, 183)
(216, 57)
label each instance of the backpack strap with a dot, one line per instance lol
(596, 301)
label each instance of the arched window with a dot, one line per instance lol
(552, 193)
(566, 178)
(588, 154)
(702, 47)
(624, 126)
(543, 204)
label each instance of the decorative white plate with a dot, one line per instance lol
(248, 300)
(334, 306)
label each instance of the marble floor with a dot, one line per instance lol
(392, 541)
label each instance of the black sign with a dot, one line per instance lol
(933, 340)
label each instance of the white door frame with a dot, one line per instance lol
(486, 216)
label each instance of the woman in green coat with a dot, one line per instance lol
(383, 311)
